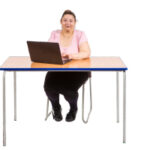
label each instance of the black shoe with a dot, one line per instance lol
(71, 116)
(57, 115)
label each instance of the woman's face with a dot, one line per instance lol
(68, 23)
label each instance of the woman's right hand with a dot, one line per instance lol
(67, 56)
(64, 56)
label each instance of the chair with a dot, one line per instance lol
(83, 87)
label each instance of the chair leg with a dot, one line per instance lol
(47, 109)
(83, 119)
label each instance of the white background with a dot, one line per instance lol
(114, 28)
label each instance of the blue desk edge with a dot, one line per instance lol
(63, 69)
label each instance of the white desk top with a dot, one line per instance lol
(90, 64)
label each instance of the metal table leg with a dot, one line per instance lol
(15, 98)
(124, 107)
(4, 110)
(117, 95)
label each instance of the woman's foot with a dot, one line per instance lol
(71, 115)
(57, 114)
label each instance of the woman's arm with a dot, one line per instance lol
(84, 52)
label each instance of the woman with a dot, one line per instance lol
(73, 45)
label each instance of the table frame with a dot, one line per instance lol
(15, 101)
(23, 63)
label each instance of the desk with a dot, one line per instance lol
(22, 63)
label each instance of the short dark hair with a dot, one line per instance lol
(69, 12)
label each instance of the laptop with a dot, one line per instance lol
(45, 52)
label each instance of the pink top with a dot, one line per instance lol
(78, 38)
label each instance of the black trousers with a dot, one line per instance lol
(65, 83)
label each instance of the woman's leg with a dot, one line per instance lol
(53, 95)
(74, 80)
(71, 83)
(67, 83)
(72, 98)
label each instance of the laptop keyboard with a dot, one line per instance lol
(66, 60)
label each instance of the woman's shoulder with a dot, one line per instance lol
(54, 35)
(79, 32)
(56, 31)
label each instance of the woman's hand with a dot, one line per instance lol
(67, 56)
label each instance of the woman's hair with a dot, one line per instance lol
(68, 12)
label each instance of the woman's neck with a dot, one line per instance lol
(67, 33)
